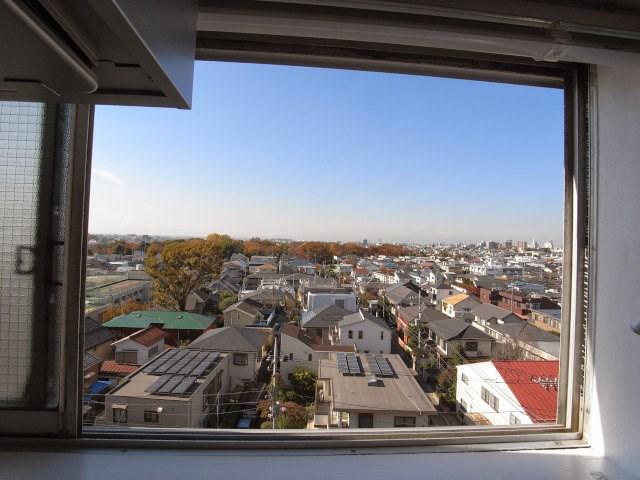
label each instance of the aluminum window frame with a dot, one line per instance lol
(576, 365)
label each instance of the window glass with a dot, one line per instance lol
(294, 210)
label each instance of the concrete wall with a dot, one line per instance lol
(615, 424)
(386, 420)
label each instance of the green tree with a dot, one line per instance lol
(303, 382)
(226, 300)
(179, 267)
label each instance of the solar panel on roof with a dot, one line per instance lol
(161, 359)
(181, 363)
(373, 366)
(158, 383)
(385, 367)
(184, 385)
(353, 364)
(205, 364)
(194, 359)
(171, 384)
(167, 366)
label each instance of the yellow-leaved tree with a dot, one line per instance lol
(179, 267)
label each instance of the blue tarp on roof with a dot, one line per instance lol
(101, 386)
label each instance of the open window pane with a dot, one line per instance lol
(318, 249)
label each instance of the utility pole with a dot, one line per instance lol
(273, 382)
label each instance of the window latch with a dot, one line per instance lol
(25, 259)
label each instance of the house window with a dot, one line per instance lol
(310, 358)
(513, 420)
(470, 346)
(153, 351)
(360, 334)
(404, 421)
(151, 416)
(381, 335)
(241, 359)
(127, 357)
(490, 399)
(340, 303)
(350, 334)
(365, 420)
(291, 356)
(464, 379)
(119, 414)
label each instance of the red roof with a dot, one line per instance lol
(149, 336)
(534, 384)
(111, 367)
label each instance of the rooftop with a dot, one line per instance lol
(175, 373)
(233, 339)
(534, 383)
(146, 337)
(168, 320)
(398, 394)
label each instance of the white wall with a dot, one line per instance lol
(485, 375)
(370, 341)
(617, 273)
(290, 345)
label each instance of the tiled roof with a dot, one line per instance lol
(455, 299)
(168, 320)
(452, 328)
(95, 334)
(313, 341)
(540, 402)
(148, 336)
(233, 339)
(324, 317)
(113, 368)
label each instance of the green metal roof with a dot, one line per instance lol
(168, 320)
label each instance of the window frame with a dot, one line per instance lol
(577, 317)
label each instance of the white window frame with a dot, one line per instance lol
(576, 321)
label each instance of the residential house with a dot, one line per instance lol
(321, 321)
(459, 306)
(245, 312)
(435, 294)
(90, 370)
(247, 347)
(508, 392)
(97, 339)
(140, 346)
(181, 326)
(401, 295)
(488, 315)
(301, 348)
(546, 319)
(456, 338)
(369, 391)
(317, 298)
(523, 341)
(408, 315)
(189, 397)
(370, 334)
(201, 301)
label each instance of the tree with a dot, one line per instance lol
(123, 308)
(226, 300)
(303, 382)
(179, 267)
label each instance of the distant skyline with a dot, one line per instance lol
(334, 155)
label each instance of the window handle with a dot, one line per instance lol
(25, 259)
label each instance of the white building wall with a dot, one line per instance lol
(374, 338)
(484, 374)
(142, 351)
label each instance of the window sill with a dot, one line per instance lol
(99, 463)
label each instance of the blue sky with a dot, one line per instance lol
(324, 154)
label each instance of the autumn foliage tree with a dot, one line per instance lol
(179, 267)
